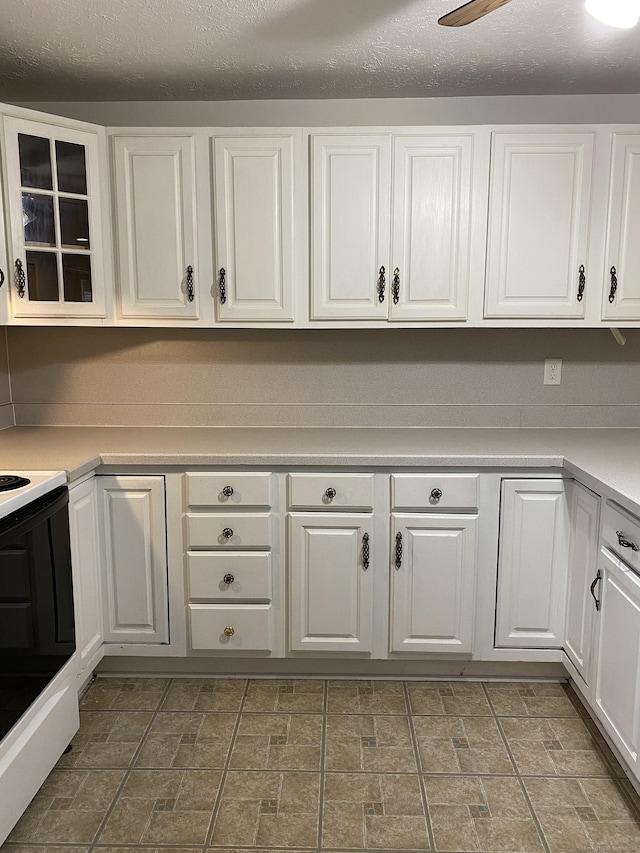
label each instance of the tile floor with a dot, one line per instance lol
(313, 765)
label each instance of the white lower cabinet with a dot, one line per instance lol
(134, 558)
(85, 563)
(330, 582)
(532, 565)
(617, 657)
(433, 583)
(582, 578)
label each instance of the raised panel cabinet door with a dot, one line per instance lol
(56, 244)
(617, 664)
(532, 564)
(582, 571)
(539, 212)
(350, 230)
(255, 227)
(621, 295)
(431, 223)
(85, 563)
(433, 583)
(330, 582)
(155, 212)
(134, 554)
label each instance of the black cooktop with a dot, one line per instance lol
(10, 481)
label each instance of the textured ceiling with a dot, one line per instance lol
(247, 49)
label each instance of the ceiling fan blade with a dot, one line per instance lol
(470, 12)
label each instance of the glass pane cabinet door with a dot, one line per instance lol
(54, 209)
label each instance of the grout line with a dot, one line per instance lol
(416, 755)
(325, 705)
(130, 767)
(223, 778)
(525, 793)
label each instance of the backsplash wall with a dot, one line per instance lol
(6, 407)
(395, 377)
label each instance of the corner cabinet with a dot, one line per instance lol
(134, 559)
(57, 220)
(394, 225)
(155, 206)
(532, 567)
(539, 214)
(259, 226)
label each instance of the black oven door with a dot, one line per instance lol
(36, 602)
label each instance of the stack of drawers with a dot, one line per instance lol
(228, 540)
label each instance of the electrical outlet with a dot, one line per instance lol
(552, 371)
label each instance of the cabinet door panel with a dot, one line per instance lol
(623, 246)
(135, 559)
(85, 560)
(431, 227)
(583, 562)
(155, 209)
(618, 656)
(351, 182)
(540, 200)
(255, 239)
(330, 587)
(432, 591)
(532, 564)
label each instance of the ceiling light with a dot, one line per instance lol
(617, 13)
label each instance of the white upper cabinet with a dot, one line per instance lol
(259, 225)
(621, 296)
(350, 234)
(431, 226)
(155, 183)
(53, 190)
(392, 226)
(539, 213)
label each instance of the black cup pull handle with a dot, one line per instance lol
(598, 578)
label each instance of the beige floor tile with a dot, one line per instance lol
(447, 697)
(268, 809)
(563, 830)
(83, 795)
(343, 825)
(366, 697)
(27, 848)
(285, 696)
(531, 699)
(369, 743)
(453, 829)
(553, 747)
(106, 739)
(278, 742)
(508, 836)
(461, 745)
(204, 694)
(395, 833)
(125, 694)
(163, 807)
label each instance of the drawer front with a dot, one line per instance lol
(229, 531)
(228, 577)
(621, 532)
(434, 491)
(331, 491)
(228, 489)
(249, 626)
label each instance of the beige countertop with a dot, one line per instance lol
(606, 460)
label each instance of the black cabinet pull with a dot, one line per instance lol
(222, 284)
(623, 542)
(582, 280)
(190, 283)
(614, 283)
(398, 550)
(592, 588)
(1, 277)
(365, 551)
(381, 284)
(21, 279)
(395, 286)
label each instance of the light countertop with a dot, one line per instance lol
(608, 460)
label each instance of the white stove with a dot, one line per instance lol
(40, 482)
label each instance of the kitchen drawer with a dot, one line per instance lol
(230, 531)
(228, 489)
(250, 573)
(434, 491)
(619, 526)
(331, 491)
(248, 624)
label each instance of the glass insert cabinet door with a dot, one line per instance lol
(53, 191)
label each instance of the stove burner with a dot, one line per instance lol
(10, 481)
